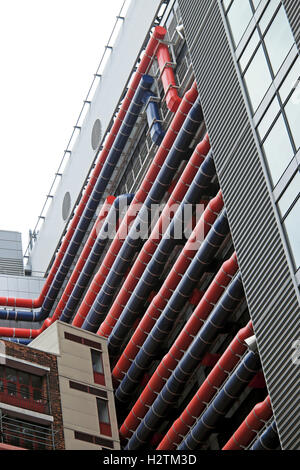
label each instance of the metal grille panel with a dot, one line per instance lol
(271, 293)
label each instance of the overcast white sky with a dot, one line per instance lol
(50, 50)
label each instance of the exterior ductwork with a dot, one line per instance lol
(165, 323)
(160, 301)
(186, 366)
(249, 428)
(233, 388)
(133, 241)
(158, 34)
(135, 290)
(162, 253)
(269, 439)
(181, 344)
(146, 185)
(91, 207)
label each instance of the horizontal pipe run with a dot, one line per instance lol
(158, 34)
(146, 185)
(181, 344)
(249, 428)
(159, 256)
(86, 273)
(269, 440)
(172, 311)
(160, 301)
(127, 290)
(134, 239)
(207, 390)
(230, 392)
(91, 207)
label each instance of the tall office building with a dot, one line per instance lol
(173, 229)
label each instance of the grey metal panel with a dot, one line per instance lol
(270, 290)
(292, 11)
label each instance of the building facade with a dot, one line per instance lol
(199, 328)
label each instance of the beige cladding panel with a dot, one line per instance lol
(76, 444)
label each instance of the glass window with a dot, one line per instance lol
(279, 40)
(291, 225)
(291, 81)
(257, 78)
(239, 15)
(103, 414)
(226, 3)
(11, 374)
(23, 378)
(289, 194)
(268, 118)
(268, 13)
(256, 3)
(97, 361)
(253, 42)
(278, 149)
(293, 115)
(36, 381)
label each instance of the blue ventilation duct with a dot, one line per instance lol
(269, 439)
(154, 268)
(90, 209)
(140, 226)
(104, 235)
(217, 409)
(221, 404)
(172, 311)
(156, 131)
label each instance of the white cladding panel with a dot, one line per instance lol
(137, 23)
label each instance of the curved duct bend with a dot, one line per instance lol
(127, 290)
(249, 428)
(230, 392)
(94, 257)
(158, 34)
(186, 366)
(91, 207)
(141, 224)
(135, 290)
(207, 390)
(181, 344)
(269, 440)
(160, 301)
(90, 262)
(172, 311)
(148, 181)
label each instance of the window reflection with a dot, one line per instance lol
(268, 118)
(291, 225)
(278, 150)
(290, 194)
(251, 46)
(268, 13)
(291, 82)
(279, 40)
(257, 78)
(239, 15)
(293, 116)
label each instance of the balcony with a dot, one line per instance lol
(23, 397)
(26, 435)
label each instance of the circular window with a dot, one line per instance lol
(66, 206)
(96, 134)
